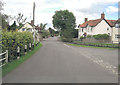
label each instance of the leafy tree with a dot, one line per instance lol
(64, 21)
(52, 32)
(45, 33)
(75, 33)
(43, 26)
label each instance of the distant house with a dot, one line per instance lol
(29, 27)
(116, 32)
(98, 26)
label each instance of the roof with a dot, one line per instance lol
(93, 23)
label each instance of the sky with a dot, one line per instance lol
(45, 9)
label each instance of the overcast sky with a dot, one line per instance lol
(45, 9)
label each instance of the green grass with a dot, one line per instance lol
(14, 64)
(89, 46)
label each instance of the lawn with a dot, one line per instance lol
(14, 64)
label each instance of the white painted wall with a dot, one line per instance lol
(101, 28)
(115, 32)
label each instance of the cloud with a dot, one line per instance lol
(45, 9)
(111, 9)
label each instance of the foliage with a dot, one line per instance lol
(75, 33)
(4, 22)
(45, 33)
(43, 26)
(12, 65)
(11, 40)
(64, 21)
(82, 37)
(66, 39)
(12, 27)
(101, 36)
(108, 45)
(52, 32)
(89, 36)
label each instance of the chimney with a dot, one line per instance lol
(103, 16)
(86, 19)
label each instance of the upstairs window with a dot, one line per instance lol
(107, 28)
(117, 36)
(82, 29)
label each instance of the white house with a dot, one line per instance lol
(29, 27)
(98, 26)
(116, 32)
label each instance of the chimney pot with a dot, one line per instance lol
(86, 19)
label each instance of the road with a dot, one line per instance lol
(57, 62)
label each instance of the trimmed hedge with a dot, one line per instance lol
(101, 36)
(11, 40)
(97, 44)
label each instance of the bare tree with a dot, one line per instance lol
(20, 19)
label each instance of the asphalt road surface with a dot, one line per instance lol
(57, 62)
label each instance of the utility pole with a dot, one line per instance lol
(33, 13)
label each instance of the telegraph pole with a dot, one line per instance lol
(33, 13)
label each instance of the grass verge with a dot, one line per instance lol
(14, 64)
(89, 46)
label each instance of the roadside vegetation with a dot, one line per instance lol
(65, 22)
(14, 64)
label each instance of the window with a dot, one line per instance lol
(82, 29)
(117, 25)
(109, 34)
(23, 29)
(117, 36)
(91, 29)
(107, 28)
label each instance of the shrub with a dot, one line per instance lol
(11, 40)
(66, 39)
(101, 36)
(89, 36)
(82, 37)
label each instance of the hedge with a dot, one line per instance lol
(101, 36)
(11, 40)
(97, 44)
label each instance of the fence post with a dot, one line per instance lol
(30, 46)
(6, 56)
(33, 45)
(25, 49)
(18, 52)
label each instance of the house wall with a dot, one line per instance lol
(115, 35)
(101, 28)
(26, 26)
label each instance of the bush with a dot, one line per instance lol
(89, 36)
(11, 40)
(66, 39)
(82, 37)
(101, 36)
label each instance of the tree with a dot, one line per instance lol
(13, 26)
(64, 21)
(43, 26)
(20, 18)
(52, 32)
